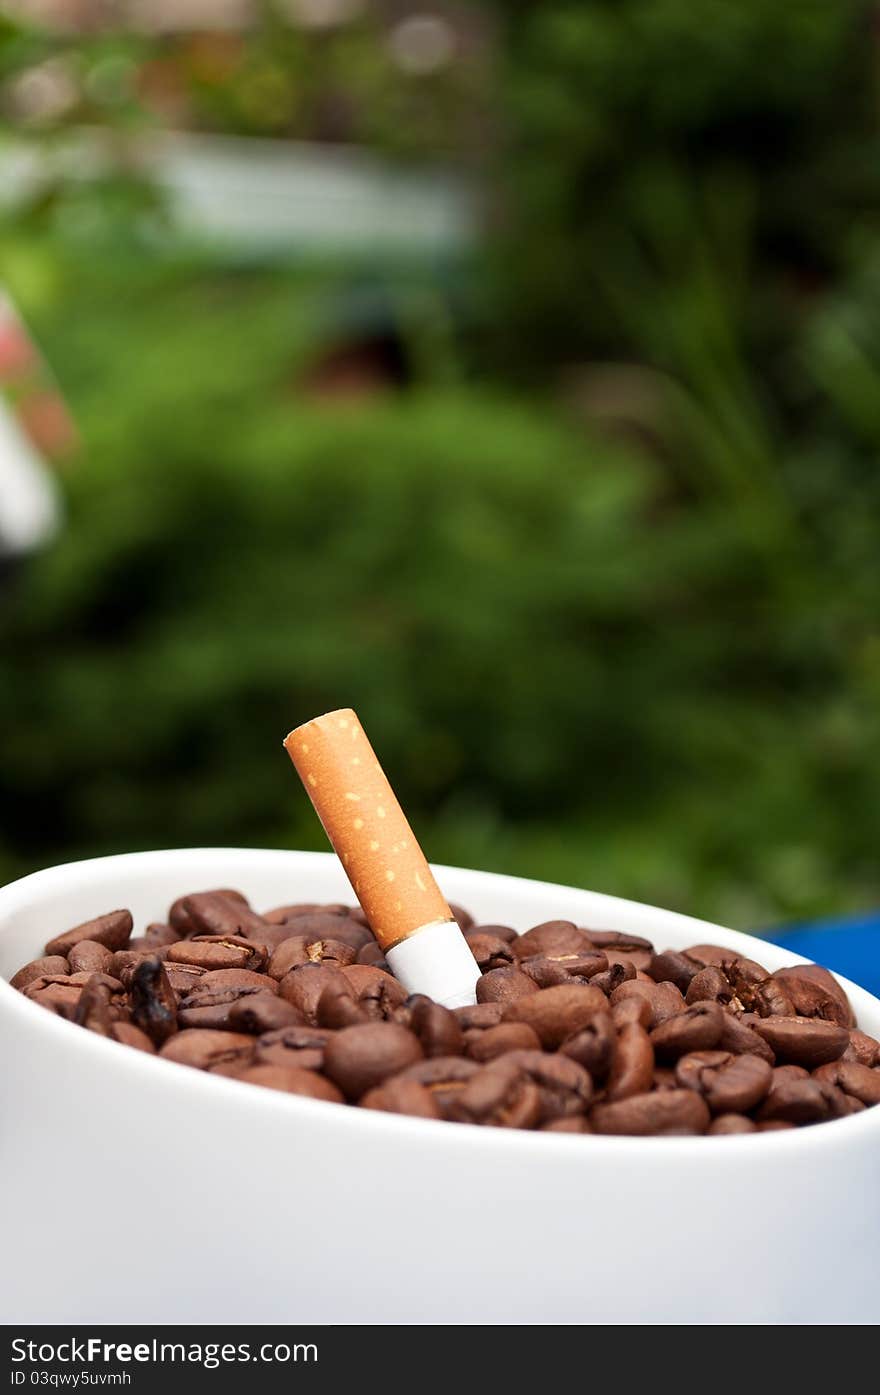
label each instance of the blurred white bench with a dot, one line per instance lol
(272, 194)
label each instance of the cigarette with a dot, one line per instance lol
(407, 911)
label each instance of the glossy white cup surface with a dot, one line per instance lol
(136, 1189)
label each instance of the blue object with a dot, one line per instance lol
(850, 947)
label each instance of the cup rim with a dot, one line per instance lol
(509, 1144)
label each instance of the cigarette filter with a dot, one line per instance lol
(406, 909)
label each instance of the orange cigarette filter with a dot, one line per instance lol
(367, 827)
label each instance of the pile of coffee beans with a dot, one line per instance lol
(575, 1030)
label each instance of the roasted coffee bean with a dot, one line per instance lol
(498, 932)
(338, 1007)
(444, 1076)
(855, 1106)
(218, 952)
(302, 1047)
(93, 1009)
(182, 977)
(50, 966)
(289, 954)
(437, 1029)
(208, 1000)
(709, 985)
(263, 1012)
(633, 961)
(811, 999)
(633, 1009)
(372, 955)
(292, 1081)
(665, 1112)
(664, 1078)
(400, 1096)
(479, 1016)
(705, 955)
(88, 957)
(211, 1016)
(840, 1104)
(328, 951)
(551, 937)
(111, 930)
(632, 1063)
(564, 1086)
(835, 1005)
(544, 972)
(738, 1085)
(579, 968)
(499, 1096)
(664, 998)
(56, 993)
(153, 1001)
(358, 1059)
(488, 1045)
(157, 933)
(732, 1123)
(464, 918)
(862, 1082)
(127, 1034)
(346, 932)
(804, 1041)
(697, 1028)
(220, 914)
(123, 961)
(268, 937)
(789, 1073)
(613, 977)
(592, 1046)
(774, 1126)
(83, 978)
(490, 951)
(321, 925)
(303, 987)
(738, 1037)
(299, 950)
(504, 986)
(729, 1084)
(224, 985)
(204, 1049)
(623, 940)
(557, 1013)
(181, 921)
(745, 976)
(582, 966)
(770, 999)
(322, 922)
(278, 915)
(672, 967)
(862, 1048)
(795, 1102)
(375, 990)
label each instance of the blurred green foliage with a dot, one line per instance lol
(684, 178)
(276, 77)
(623, 634)
(570, 669)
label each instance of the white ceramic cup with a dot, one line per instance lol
(136, 1189)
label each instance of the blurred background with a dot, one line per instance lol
(508, 372)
